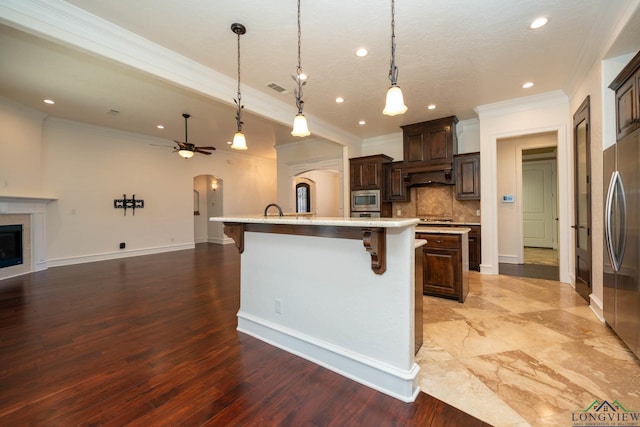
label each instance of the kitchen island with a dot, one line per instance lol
(337, 291)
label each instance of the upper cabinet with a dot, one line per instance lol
(467, 170)
(430, 143)
(366, 172)
(627, 87)
(395, 185)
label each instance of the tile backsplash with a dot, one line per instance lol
(436, 202)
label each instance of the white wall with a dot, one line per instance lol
(325, 190)
(547, 112)
(215, 197)
(306, 155)
(20, 150)
(200, 221)
(86, 167)
(389, 145)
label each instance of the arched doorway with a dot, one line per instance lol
(207, 202)
(322, 188)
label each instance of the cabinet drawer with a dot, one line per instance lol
(440, 241)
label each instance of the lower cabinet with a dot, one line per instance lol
(475, 247)
(444, 271)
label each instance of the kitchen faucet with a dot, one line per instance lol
(273, 204)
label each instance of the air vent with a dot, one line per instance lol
(276, 87)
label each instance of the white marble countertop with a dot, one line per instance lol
(442, 230)
(332, 221)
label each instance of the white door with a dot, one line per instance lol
(538, 197)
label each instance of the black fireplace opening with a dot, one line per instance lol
(10, 245)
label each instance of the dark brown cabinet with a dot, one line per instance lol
(443, 263)
(475, 243)
(627, 87)
(367, 172)
(429, 143)
(475, 247)
(395, 185)
(467, 170)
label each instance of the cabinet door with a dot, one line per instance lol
(437, 144)
(475, 247)
(355, 172)
(627, 108)
(370, 174)
(414, 146)
(467, 169)
(442, 272)
(395, 188)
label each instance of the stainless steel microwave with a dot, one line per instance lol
(365, 201)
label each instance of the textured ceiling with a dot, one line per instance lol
(457, 54)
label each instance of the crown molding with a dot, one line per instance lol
(526, 103)
(64, 23)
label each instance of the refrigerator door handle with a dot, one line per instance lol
(615, 244)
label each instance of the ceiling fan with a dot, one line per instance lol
(186, 149)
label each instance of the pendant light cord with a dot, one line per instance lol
(393, 70)
(298, 91)
(299, 69)
(239, 99)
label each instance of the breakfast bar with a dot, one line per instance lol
(337, 291)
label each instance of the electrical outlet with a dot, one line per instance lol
(278, 306)
(477, 212)
(399, 212)
(122, 245)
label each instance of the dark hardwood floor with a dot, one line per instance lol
(152, 341)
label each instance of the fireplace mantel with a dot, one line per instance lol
(36, 208)
(18, 204)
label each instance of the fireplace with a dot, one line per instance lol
(11, 245)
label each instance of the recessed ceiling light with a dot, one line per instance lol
(362, 122)
(527, 85)
(160, 127)
(431, 106)
(49, 101)
(538, 22)
(362, 52)
(339, 100)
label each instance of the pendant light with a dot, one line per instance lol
(395, 102)
(239, 141)
(300, 127)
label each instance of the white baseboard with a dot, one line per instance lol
(115, 255)
(509, 259)
(401, 384)
(221, 241)
(597, 307)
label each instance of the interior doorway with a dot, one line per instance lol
(317, 191)
(207, 202)
(528, 215)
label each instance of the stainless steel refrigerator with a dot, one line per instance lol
(621, 278)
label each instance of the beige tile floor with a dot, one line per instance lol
(540, 256)
(523, 351)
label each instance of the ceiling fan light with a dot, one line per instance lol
(395, 102)
(239, 141)
(300, 127)
(186, 154)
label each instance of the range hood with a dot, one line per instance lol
(436, 177)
